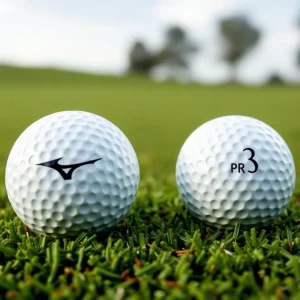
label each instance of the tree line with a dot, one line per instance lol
(176, 54)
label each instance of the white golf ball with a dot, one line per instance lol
(235, 169)
(70, 172)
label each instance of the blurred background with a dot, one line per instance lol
(157, 69)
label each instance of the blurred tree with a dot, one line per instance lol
(298, 55)
(275, 79)
(141, 60)
(240, 37)
(176, 53)
(174, 56)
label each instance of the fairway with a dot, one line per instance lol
(156, 117)
(158, 251)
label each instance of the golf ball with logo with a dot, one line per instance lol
(70, 172)
(235, 169)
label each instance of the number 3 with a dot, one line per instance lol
(252, 160)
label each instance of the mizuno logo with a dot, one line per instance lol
(66, 175)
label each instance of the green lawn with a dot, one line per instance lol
(140, 257)
(156, 117)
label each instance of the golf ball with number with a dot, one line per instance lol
(70, 172)
(235, 169)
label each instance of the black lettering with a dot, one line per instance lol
(233, 167)
(241, 167)
(252, 160)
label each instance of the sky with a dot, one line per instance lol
(95, 36)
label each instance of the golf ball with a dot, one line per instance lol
(235, 169)
(71, 171)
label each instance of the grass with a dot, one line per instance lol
(159, 251)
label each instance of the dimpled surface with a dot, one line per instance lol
(220, 197)
(97, 196)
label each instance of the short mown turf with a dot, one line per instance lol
(157, 252)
